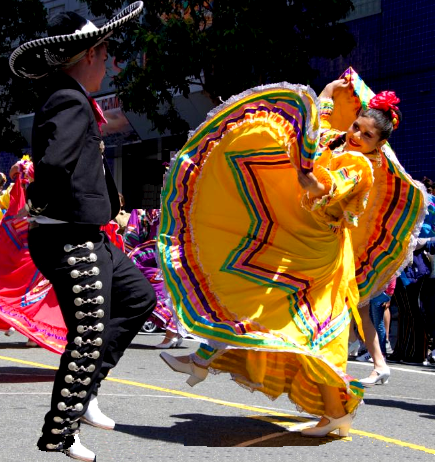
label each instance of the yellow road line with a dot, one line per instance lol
(260, 440)
(28, 363)
(204, 398)
(168, 390)
(375, 436)
(294, 427)
(386, 439)
(259, 410)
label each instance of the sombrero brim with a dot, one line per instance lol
(37, 58)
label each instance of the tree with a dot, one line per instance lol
(226, 46)
(22, 20)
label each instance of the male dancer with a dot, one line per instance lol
(103, 297)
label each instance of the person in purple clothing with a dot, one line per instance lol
(140, 243)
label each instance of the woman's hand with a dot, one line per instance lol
(14, 172)
(310, 183)
(334, 87)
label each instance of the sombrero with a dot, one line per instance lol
(69, 34)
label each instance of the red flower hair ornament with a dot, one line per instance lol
(386, 101)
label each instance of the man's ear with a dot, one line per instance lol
(90, 54)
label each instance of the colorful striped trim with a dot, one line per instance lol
(400, 215)
(196, 305)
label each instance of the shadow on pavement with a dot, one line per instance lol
(221, 431)
(425, 410)
(16, 346)
(25, 375)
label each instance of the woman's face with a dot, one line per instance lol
(363, 136)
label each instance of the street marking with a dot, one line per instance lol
(399, 398)
(41, 393)
(396, 368)
(168, 390)
(204, 398)
(386, 439)
(25, 394)
(28, 363)
(375, 436)
(259, 440)
(260, 410)
(293, 428)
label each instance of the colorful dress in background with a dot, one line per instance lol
(266, 278)
(140, 243)
(5, 200)
(27, 300)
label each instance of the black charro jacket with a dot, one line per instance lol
(72, 181)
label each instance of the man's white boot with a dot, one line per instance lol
(79, 452)
(93, 416)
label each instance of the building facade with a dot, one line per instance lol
(395, 50)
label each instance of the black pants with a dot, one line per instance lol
(104, 301)
(427, 298)
(411, 345)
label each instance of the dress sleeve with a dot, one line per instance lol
(348, 181)
(327, 133)
(326, 108)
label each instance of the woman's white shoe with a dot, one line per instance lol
(381, 377)
(174, 342)
(79, 452)
(342, 424)
(353, 348)
(197, 374)
(10, 331)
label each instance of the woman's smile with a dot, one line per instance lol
(353, 143)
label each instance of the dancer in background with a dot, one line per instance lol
(140, 242)
(4, 195)
(28, 303)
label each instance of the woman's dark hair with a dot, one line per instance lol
(428, 183)
(337, 142)
(383, 120)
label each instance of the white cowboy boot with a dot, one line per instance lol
(79, 452)
(93, 416)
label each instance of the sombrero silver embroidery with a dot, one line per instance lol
(37, 58)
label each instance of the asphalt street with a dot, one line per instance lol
(160, 418)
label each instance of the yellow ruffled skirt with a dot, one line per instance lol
(267, 287)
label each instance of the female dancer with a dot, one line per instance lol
(141, 247)
(268, 286)
(28, 303)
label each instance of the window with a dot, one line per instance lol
(364, 8)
